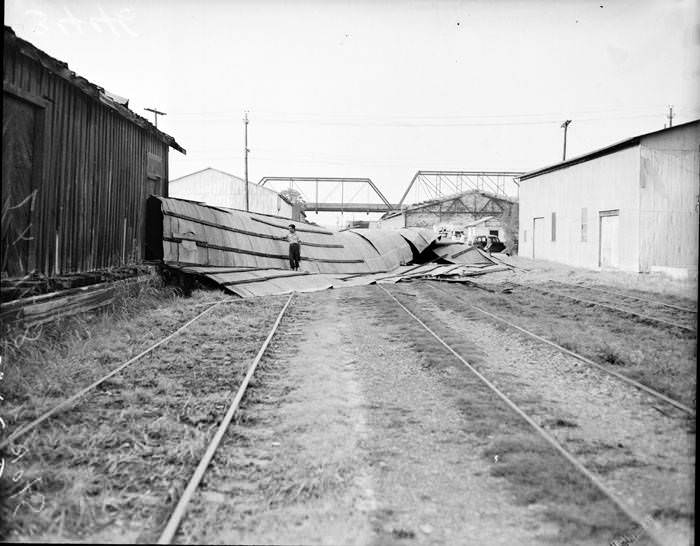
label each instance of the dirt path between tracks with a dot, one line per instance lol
(353, 436)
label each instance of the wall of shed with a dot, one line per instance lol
(92, 182)
(606, 183)
(670, 189)
(220, 189)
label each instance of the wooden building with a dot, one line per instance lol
(631, 206)
(78, 166)
(221, 189)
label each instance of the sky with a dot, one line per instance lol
(381, 89)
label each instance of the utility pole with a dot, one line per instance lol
(670, 116)
(156, 113)
(565, 126)
(245, 120)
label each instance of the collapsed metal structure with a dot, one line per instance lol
(246, 253)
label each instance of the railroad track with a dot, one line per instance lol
(572, 293)
(178, 514)
(22, 431)
(180, 510)
(625, 379)
(665, 313)
(644, 521)
(96, 389)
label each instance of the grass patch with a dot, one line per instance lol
(539, 475)
(655, 356)
(119, 454)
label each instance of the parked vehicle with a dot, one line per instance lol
(496, 244)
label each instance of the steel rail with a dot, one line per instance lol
(622, 377)
(30, 426)
(619, 309)
(621, 294)
(622, 505)
(173, 524)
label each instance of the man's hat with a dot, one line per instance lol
(292, 225)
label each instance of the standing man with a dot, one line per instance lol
(489, 242)
(294, 247)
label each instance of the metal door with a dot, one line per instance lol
(538, 237)
(609, 239)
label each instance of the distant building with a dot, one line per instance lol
(631, 206)
(220, 189)
(77, 167)
(484, 226)
(456, 212)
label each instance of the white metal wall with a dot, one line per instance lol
(221, 189)
(607, 183)
(670, 187)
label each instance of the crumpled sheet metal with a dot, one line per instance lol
(459, 253)
(418, 237)
(198, 235)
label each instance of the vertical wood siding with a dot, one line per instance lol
(93, 175)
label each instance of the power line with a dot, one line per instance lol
(428, 124)
(156, 113)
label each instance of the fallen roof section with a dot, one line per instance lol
(246, 253)
(194, 234)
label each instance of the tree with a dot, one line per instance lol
(294, 197)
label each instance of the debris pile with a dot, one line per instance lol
(246, 253)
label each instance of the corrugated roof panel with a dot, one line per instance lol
(388, 242)
(415, 238)
(237, 238)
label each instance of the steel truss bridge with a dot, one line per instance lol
(342, 194)
(333, 194)
(429, 185)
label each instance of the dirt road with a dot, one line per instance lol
(361, 431)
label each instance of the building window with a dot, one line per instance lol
(584, 225)
(524, 236)
(493, 232)
(554, 226)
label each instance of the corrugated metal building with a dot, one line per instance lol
(77, 168)
(221, 189)
(631, 206)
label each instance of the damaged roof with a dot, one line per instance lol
(110, 100)
(195, 234)
(246, 253)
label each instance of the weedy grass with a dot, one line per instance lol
(114, 463)
(653, 355)
(541, 476)
(51, 359)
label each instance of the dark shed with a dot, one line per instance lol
(78, 166)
